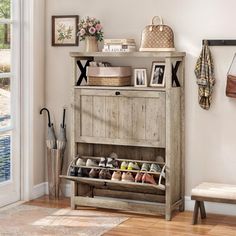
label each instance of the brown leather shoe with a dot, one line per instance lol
(138, 177)
(104, 174)
(148, 179)
(93, 173)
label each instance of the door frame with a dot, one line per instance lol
(27, 19)
(31, 39)
(14, 184)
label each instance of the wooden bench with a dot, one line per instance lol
(211, 192)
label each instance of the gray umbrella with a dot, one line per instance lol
(61, 141)
(51, 138)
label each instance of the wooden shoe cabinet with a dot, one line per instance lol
(138, 124)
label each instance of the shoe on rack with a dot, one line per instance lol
(80, 162)
(148, 179)
(91, 162)
(102, 162)
(93, 173)
(104, 174)
(108, 175)
(155, 168)
(112, 163)
(127, 177)
(124, 165)
(73, 171)
(113, 155)
(160, 159)
(116, 176)
(82, 172)
(145, 167)
(138, 177)
(133, 166)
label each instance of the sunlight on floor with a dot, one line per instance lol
(76, 218)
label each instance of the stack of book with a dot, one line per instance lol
(119, 45)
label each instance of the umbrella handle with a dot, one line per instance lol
(49, 119)
(64, 115)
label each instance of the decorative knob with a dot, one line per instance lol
(117, 93)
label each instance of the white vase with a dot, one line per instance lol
(91, 44)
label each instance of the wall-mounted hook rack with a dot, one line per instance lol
(219, 42)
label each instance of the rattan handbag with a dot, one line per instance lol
(157, 37)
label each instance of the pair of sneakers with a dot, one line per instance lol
(88, 163)
(152, 168)
(101, 174)
(108, 162)
(125, 176)
(144, 178)
(129, 166)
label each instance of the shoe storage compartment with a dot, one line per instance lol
(138, 124)
(95, 187)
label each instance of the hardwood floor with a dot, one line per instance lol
(214, 225)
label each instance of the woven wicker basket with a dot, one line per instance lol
(109, 76)
(108, 81)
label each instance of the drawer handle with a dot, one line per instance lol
(117, 93)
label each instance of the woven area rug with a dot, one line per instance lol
(32, 220)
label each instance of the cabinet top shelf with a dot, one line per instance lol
(127, 54)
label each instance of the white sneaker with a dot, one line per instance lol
(112, 163)
(102, 162)
(91, 162)
(80, 162)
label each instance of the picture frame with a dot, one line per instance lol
(140, 77)
(158, 74)
(64, 30)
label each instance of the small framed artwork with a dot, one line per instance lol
(64, 30)
(140, 77)
(158, 74)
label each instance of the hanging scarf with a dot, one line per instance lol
(204, 71)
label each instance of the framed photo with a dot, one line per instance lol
(158, 74)
(140, 77)
(64, 30)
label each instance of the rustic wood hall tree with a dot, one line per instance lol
(139, 124)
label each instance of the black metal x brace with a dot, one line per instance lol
(174, 74)
(83, 71)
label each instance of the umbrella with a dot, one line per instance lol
(51, 138)
(61, 141)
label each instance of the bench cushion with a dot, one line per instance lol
(215, 191)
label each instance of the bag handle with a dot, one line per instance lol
(160, 22)
(231, 64)
(159, 18)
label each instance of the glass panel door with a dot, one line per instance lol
(9, 101)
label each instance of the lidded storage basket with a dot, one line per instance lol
(157, 37)
(109, 76)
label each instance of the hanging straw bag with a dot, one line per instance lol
(231, 80)
(157, 37)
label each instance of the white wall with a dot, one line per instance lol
(210, 135)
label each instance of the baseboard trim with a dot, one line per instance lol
(42, 189)
(39, 190)
(212, 207)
